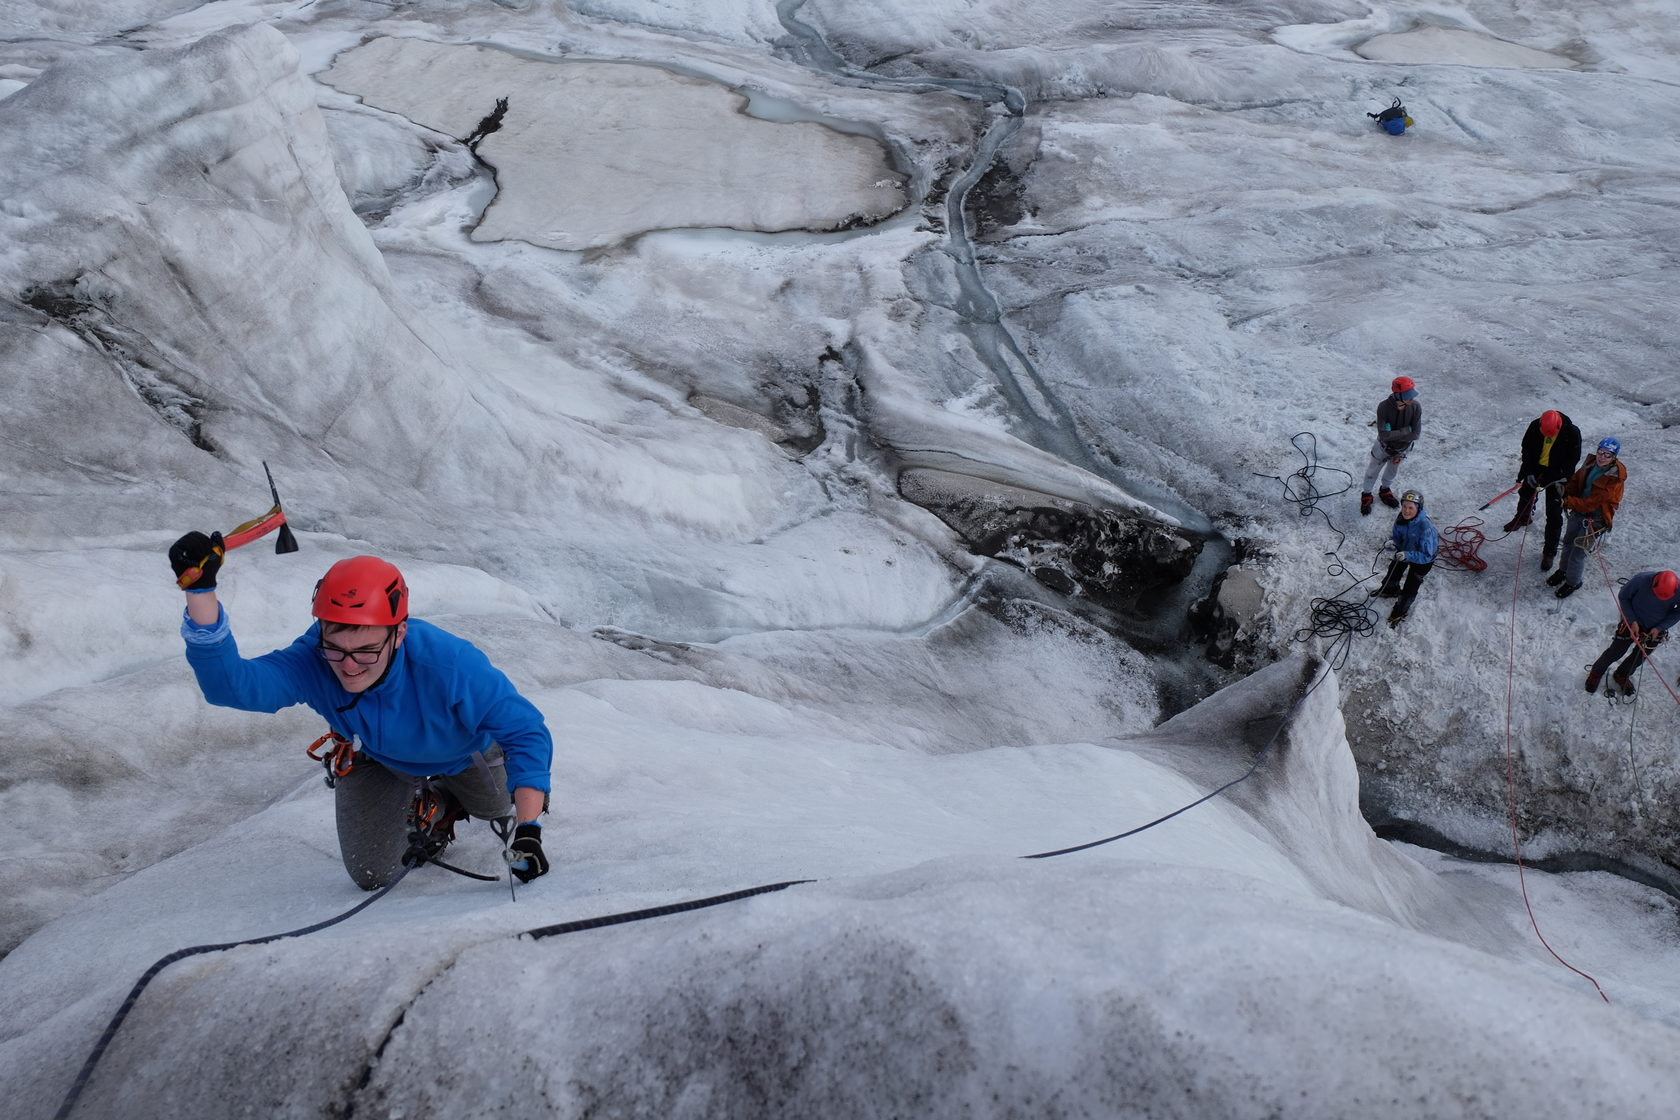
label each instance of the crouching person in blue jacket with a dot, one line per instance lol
(428, 730)
(1415, 544)
(1649, 605)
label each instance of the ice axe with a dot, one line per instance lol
(1479, 508)
(252, 530)
(1530, 481)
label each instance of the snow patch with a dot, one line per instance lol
(1458, 47)
(568, 178)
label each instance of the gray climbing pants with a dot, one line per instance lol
(1382, 465)
(373, 806)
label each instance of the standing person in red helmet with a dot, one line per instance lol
(1649, 606)
(430, 723)
(1399, 423)
(1550, 449)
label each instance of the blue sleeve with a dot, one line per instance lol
(263, 684)
(1625, 596)
(491, 704)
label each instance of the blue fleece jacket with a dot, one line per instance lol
(1641, 606)
(441, 701)
(1415, 540)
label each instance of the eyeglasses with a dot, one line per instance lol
(359, 656)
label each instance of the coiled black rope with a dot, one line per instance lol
(1339, 619)
(1301, 489)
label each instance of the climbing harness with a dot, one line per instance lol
(1591, 541)
(335, 753)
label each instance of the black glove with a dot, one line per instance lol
(198, 553)
(526, 853)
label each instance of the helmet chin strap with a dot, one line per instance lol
(388, 665)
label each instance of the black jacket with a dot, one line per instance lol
(1566, 452)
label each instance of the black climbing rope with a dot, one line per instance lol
(99, 1047)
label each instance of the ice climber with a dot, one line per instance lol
(1550, 448)
(428, 730)
(1415, 544)
(1649, 608)
(1399, 423)
(1591, 496)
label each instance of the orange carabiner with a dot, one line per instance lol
(339, 759)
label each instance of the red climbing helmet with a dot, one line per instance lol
(1403, 385)
(362, 591)
(1664, 584)
(1551, 423)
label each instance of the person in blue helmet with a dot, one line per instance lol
(1591, 496)
(1415, 545)
(426, 730)
(1649, 608)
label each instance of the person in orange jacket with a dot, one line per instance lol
(1591, 497)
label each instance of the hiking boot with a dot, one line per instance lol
(1388, 499)
(1515, 523)
(1592, 681)
(1364, 504)
(1567, 590)
(1556, 578)
(1547, 559)
(1623, 683)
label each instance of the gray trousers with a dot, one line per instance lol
(373, 806)
(1381, 464)
(1579, 536)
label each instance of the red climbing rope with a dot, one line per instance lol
(1511, 772)
(1461, 545)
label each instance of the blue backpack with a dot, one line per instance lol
(1393, 119)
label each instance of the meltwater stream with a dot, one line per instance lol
(1052, 426)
